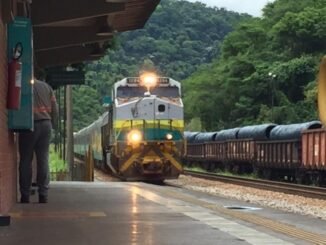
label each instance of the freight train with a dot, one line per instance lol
(140, 137)
(295, 152)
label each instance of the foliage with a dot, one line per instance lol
(87, 106)
(56, 164)
(236, 88)
(194, 125)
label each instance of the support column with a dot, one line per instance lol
(70, 132)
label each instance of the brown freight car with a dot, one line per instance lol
(200, 149)
(241, 150)
(196, 151)
(276, 159)
(207, 155)
(240, 154)
(215, 151)
(282, 154)
(314, 149)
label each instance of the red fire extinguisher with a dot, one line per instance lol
(15, 79)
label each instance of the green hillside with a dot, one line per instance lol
(266, 71)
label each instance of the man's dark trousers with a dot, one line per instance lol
(37, 141)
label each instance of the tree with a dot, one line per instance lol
(236, 90)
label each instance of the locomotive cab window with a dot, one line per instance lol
(161, 108)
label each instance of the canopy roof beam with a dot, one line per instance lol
(47, 38)
(50, 12)
(64, 56)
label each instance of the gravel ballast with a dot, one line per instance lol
(277, 200)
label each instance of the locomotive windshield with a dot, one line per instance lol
(126, 92)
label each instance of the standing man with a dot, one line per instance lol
(45, 110)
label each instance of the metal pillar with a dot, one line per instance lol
(64, 121)
(70, 134)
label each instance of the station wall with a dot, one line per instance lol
(8, 156)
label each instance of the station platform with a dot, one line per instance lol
(138, 213)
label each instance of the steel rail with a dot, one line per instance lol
(288, 188)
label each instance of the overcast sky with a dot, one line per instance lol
(252, 7)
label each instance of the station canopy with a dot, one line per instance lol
(72, 31)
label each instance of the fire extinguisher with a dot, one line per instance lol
(15, 78)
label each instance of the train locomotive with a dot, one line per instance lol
(140, 137)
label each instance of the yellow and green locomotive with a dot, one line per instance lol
(141, 135)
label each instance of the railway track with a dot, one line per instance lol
(301, 190)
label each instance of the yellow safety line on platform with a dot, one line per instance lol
(277, 226)
(59, 215)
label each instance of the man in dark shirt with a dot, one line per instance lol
(45, 110)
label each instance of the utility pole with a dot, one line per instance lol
(70, 133)
(272, 78)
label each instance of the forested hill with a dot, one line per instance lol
(266, 72)
(179, 37)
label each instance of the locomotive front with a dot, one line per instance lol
(148, 128)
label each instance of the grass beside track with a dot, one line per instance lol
(56, 163)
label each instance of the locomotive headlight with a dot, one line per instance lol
(134, 136)
(149, 80)
(169, 136)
